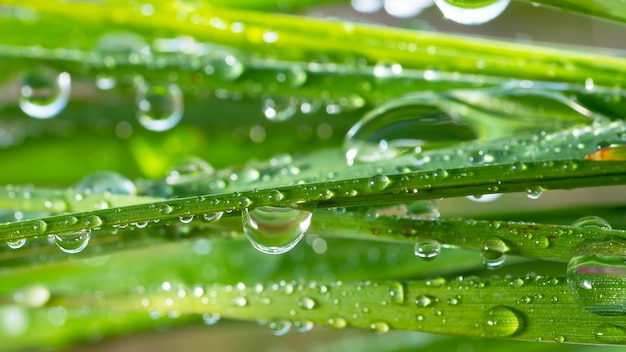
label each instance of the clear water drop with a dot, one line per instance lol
(210, 318)
(40, 226)
(427, 249)
(493, 252)
(472, 14)
(279, 109)
(280, 327)
(16, 243)
(534, 192)
(406, 8)
(596, 277)
(396, 292)
(307, 303)
(187, 170)
(159, 106)
(387, 69)
(378, 183)
(105, 82)
(485, 198)
(106, 182)
(73, 242)
(424, 301)
(227, 68)
(502, 321)
(239, 302)
(44, 93)
(211, 217)
(379, 327)
(423, 210)
(186, 219)
(337, 322)
(609, 334)
(303, 325)
(93, 221)
(367, 6)
(592, 222)
(295, 77)
(32, 296)
(275, 230)
(414, 122)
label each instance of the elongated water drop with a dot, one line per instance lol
(471, 12)
(74, 241)
(17, 243)
(427, 249)
(596, 278)
(592, 222)
(44, 93)
(275, 230)
(189, 169)
(409, 123)
(396, 292)
(106, 182)
(159, 106)
(502, 321)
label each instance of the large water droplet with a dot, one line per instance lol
(17, 243)
(306, 303)
(280, 108)
(406, 8)
(44, 93)
(275, 230)
(189, 169)
(280, 327)
(609, 334)
(472, 12)
(493, 252)
(427, 249)
(227, 68)
(74, 241)
(159, 106)
(379, 327)
(502, 321)
(378, 183)
(106, 182)
(409, 123)
(592, 222)
(396, 292)
(596, 278)
(210, 318)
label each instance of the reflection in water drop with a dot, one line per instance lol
(472, 14)
(159, 106)
(73, 242)
(275, 230)
(44, 93)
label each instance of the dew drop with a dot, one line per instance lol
(379, 327)
(16, 243)
(210, 318)
(367, 6)
(44, 93)
(378, 183)
(396, 292)
(280, 108)
(408, 123)
(485, 198)
(307, 303)
(275, 195)
(501, 321)
(105, 82)
(406, 8)
(211, 217)
(596, 278)
(386, 69)
(427, 249)
(106, 182)
(280, 327)
(40, 226)
(93, 221)
(472, 14)
(275, 230)
(32, 296)
(239, 302)
(159, 106)
(186, 219)
(227, 68)
(295, 77)
(493, 252)
(609, 334)
(424, 301)
(188, 169)
(303, 326)
(534, 192)
(165, 209)
(73, 241)
(337, 322)
(423, 210)
(592, 222)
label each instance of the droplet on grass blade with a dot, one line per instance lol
(159, 106)
(275, 230)
(44, 93)
(472, 12)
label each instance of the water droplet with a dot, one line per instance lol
(493, 252)
(280, 108)
(16, 243)
(386, 69)
(406, 8)
(303, 326)
(275, 195)
(337, 322)
(186, 219)
(74, 241)
(596, 278)
(502, 321)
(592, 222)
(295, 77)
(239, 302)
(187, 170)
(227, 68)
(396, 292)
(93, 221)
(105, 82)
(32, 296)
(424, 301)
(40, 226)
(380, 327)
(367, 6)
(210, 318)
(472, 14)
(609, 334)
(485, 198)
(211, 217)
(427, 249)
(423, 210)
(159, 106)
(378, 183)
(280, 327)
(306, 303)
(534, 192)
(106, 182)
(165, 209)
(413, 122)
(44, 93)
(275, 230)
